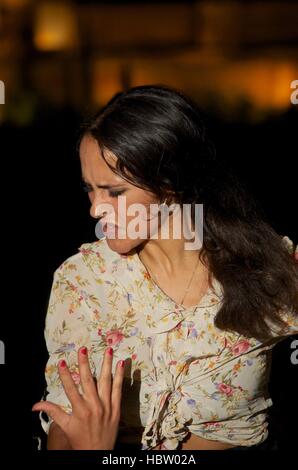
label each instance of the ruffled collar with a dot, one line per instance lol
(130, 274)
(163, 312)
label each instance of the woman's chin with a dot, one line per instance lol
(122, 246)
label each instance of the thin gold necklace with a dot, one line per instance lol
(189, 283)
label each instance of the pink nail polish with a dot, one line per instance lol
(110, 351)
(84, 351)
(62, 364)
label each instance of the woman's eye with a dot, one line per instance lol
(116, 193)
(87, 188)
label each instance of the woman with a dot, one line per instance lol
(197, 322)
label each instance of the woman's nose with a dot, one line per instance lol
(99, 208)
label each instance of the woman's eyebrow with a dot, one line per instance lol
(104, 186)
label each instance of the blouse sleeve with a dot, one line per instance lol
(66, 330)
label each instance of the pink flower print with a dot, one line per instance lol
(76, 377)
(226, 389)
(240, 347)
(212, 424)
(86, 251)
(83, 295)
(134, 356)
(99, 331)
(172, 363)
(114, 337)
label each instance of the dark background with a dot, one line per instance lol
(236, 60)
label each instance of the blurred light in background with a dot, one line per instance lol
(14, 3)
(106, 80)
(236, 58)
(55, 26)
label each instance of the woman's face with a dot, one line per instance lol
(106, 190)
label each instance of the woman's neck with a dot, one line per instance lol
(168, 257)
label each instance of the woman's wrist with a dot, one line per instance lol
(57, 439)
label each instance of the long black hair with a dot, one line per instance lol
(161, 145)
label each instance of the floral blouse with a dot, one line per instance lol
(186, 374)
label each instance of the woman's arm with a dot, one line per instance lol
(94, 421)
(57, 439)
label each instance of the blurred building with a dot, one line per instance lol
(237, 58)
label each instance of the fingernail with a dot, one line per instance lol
(122, 364)
(62, 363)
(110, 351)
(84, 351)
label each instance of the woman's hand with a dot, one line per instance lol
(94, 422)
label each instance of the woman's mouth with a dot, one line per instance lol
(110, 230)
(108, 227)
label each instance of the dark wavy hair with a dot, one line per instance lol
(161, 145)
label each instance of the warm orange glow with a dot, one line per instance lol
(262, 85)
(15, 3)
(106, 80)
(55, 27)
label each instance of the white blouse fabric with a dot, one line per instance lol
(194, 378)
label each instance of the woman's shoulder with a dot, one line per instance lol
(100, 252)
(93, 256)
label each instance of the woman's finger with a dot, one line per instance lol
(87, 381)
(69, 386)
(117, 391)
(53, 411)
(104, 381)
